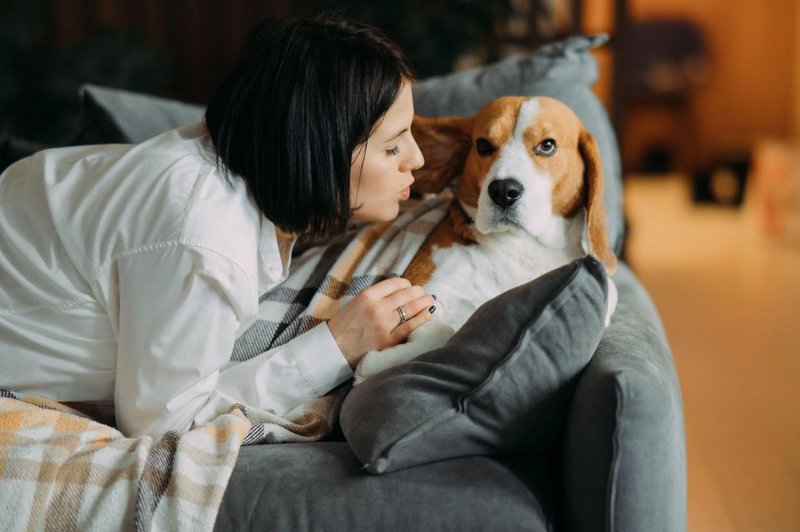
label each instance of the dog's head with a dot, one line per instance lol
(524, 162)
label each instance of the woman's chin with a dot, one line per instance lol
(386, 214)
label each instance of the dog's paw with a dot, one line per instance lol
(367, 367)
(375, 362)
(434, 334)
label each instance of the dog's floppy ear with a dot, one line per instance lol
(596, 233)
(445, 142)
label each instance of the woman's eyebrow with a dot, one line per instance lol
(394, 137)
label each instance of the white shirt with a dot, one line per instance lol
(126, 274)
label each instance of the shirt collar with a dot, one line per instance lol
(273, 262)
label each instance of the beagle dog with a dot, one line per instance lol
(529, 200)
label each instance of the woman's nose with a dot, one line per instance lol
(415, 160)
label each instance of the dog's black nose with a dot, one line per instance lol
(504, 192)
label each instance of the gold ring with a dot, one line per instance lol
(403, 316)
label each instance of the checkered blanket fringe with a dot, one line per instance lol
(62, 470)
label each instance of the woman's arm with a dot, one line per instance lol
(180, 309)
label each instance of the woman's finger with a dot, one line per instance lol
(404, 297)
(387, 287)
(414, 307)
(420, 318)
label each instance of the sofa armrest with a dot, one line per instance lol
(624, 451)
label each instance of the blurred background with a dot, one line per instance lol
(705, 98)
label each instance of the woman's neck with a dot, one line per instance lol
(284, 236)
(285, 243)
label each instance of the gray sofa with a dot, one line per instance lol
(619, 466)
(610, 454)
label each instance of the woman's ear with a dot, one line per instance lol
(444, 142)
(596, 232)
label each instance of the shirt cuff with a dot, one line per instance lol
(320, 359)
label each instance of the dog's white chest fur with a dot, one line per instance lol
(466, 277)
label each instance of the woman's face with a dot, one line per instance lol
(380, 173)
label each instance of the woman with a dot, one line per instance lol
(128, 271)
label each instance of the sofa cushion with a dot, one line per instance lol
(502, 384)
(624, 453)
(321, 486)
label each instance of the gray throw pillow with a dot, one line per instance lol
(115, 115)
(502, 384)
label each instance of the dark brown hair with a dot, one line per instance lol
(302, 96)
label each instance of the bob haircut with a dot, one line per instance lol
(302, 96)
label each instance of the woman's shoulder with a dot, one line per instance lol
(115, 199)
(180, 151)
(177, 179)
(222, 216)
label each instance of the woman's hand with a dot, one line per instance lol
(371, 320)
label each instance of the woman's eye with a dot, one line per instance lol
(547, 147)
(484, 147)
(394, 151)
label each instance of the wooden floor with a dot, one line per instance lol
(730, 301)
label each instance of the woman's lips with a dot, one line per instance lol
(406, 193)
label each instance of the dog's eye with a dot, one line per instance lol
(484, 147)
(547, 147)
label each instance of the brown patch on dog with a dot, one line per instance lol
(444, 142)
(595, 208)
(556, 121)
(494, 123)
(421, 268)
(455, 229)
(461, 225)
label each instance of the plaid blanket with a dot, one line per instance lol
(322, 280)
(63, 470)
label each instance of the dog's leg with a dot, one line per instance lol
(430, 336)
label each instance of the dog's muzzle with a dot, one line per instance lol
(505, 192)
